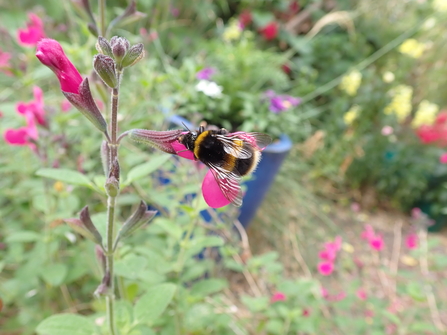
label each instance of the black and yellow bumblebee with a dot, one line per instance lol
(228, 155)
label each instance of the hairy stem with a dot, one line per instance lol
(111, 202)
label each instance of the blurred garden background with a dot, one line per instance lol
(350, 237)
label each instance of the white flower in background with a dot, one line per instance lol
(388, 77)
(209, 88)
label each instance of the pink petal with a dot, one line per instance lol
(31, 128)
(361, 294)
(325, 268)
(38, 95)
(182, 151)
(212, 193)
(278, 296)
(411, 241)
(66, 106)
(22, 108)
(16, 136)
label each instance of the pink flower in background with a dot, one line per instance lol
(245, 18)
(443, 158)
(206, 73)
(306, 312)
(368, 233)
(278, 296)
(51, 54)
(376, 242)
(328, 255)
(324, 292)
(33, 32)
(66, 106)
(269, 31)
(416, 213)
(361, 294)
(280, 103)
(411, 241)
(24, 135)
(35, 107)
(387, 130)
(355, 207)
(325, 268)
(4, 63)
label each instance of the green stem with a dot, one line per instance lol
(102, 17)
(111, 201)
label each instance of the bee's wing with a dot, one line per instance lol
(234, 146)
(228, 183)
(262, 140)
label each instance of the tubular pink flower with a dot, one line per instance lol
(325, 268)
(361, 294)
(35, 107)
(278, 296)
(51, 54)
(376, 242)
(33, 32)
(23, 135)
(411, 241)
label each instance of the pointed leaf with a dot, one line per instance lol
(68, 176)
(151, 305)
(66, 324)
(145, 169)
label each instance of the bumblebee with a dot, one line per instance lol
(228, 155)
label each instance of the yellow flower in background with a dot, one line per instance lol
(232, 32)
(59, 186)
(440, 5)
(388, 77)
(350, 83)
(400, 104)
(351, 114)
(426, 114)
(412, 48)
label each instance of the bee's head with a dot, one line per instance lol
(188, 139)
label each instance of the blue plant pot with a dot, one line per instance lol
(263, 177)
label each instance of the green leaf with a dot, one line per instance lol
(23, 236)
(66, 324)
(145, 169)
(130, 266)
(170, 227)
(208, 286)
(197, 244)
(151, 305)
(54, 274)
(68, 176)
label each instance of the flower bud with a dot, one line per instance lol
(86, 105)
(84, 226)
(104, 47)
(140, 217)
(161, 140)
(105, 68)
(134, 55)
(120, 46)
(112, 187)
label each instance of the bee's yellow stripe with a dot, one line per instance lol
(197, 142)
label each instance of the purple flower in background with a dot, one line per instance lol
(205, 73)
(281, 103)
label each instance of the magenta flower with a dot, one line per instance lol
(51, 54)
(206, 73)
(325, 268)
(368, 233)
(411, 241)
(281, 103)
(443, 158)
(376, 242)
(4, 63)
(35, 107)
(75, 89)
(167, 141)
(328, 255)
(278, 296)
(24, 135)
(361, 294)
(33, 32)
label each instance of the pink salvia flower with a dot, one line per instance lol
(4, 63)
(66, 106)
(33, 32)
(35, 107)
(411, 241)
(325, 268)
(51, 54)
(376, 242)
(24, 135)
(278, 296)
(443, 158)
(368, 233)
(361, 294)
(328, 254)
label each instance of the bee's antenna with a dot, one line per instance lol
(184, 125)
